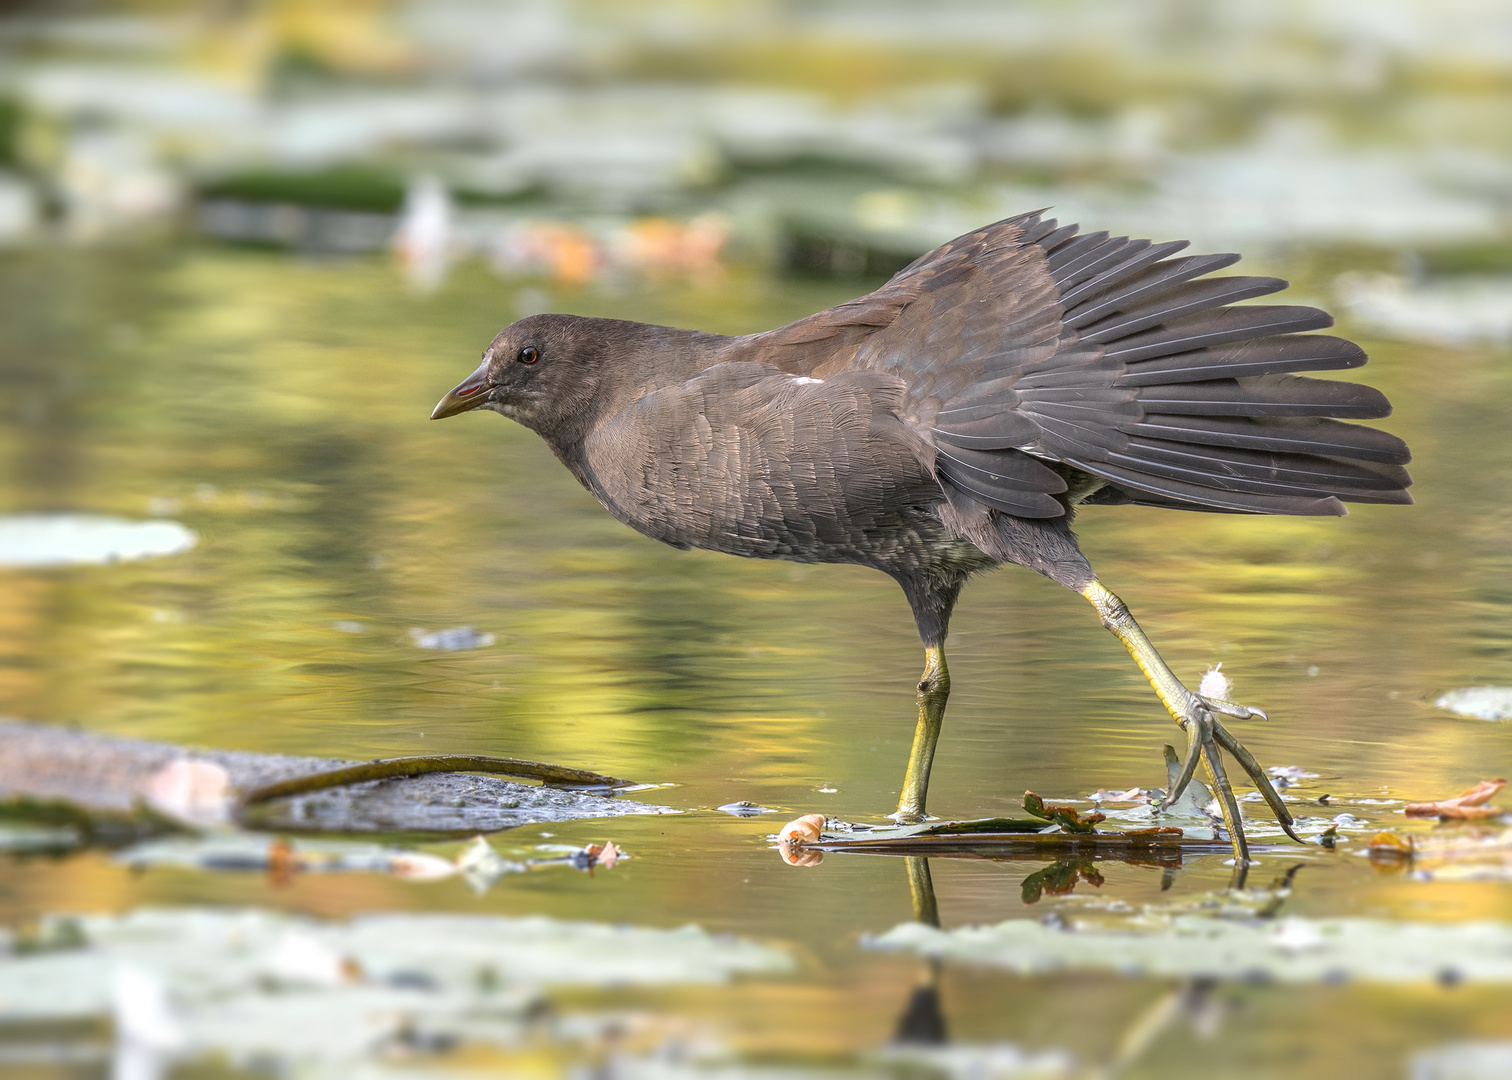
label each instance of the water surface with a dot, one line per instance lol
(279, 409)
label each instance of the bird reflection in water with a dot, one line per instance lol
(923, 1020)
(1196, 1000)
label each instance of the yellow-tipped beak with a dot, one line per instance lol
(468, 394)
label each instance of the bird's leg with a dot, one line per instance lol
(1196, 715)
(934, 691)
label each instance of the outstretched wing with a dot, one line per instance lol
(1024, 343)
(750, 460)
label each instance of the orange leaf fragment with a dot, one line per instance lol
(1467, 805)
(605, 855)
(1390, 844)
(801, 830)
(283, 863)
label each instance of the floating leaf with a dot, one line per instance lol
(1474, 854)
(259, 983)
(455, 639)
(1295, 950)
(1467, 804)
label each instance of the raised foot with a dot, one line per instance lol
(1207, 737)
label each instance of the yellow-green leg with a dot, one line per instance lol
(1195, 715)
(934, 691)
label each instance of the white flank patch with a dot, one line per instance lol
(84, 539)
(804, 380)
(1215, 684)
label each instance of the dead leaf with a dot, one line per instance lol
(283, 863)
(1067, 817)
(795, 834)
(192, 791)
(605, 855)
(1133, 795)
(1469, 804)
(800, 830)
(418, 866)
(1389, 845)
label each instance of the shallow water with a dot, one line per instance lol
(278, 408)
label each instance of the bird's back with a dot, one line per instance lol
(1030, 352)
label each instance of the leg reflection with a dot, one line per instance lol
(923, 1021)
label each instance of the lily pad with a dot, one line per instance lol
(256, 983)
(35, 540)
(1479, 702)
(1293, 950)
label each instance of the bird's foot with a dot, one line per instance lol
(1208, 737)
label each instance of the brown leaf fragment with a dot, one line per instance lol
(283, 863)
(1467, 805)
(795, 834)
(605, 855)
(800, 830)
(1067, 817)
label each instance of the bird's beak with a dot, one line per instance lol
(468, 394)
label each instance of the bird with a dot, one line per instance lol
(958, 418)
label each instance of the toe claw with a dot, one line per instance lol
(1188, 768)
(1262, 782)
(1230, 708)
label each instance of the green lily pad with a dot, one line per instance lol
(256, 983)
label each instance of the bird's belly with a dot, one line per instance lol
(895, 538)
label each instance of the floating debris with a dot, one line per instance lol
(455, 639)
(1132, 795)
(1215, 684)
(480, 865)
(1290, 773)
(744, 809)
(1480, 702)
(283, 859)
(1050, 832)
(191, 791)
(36, 540)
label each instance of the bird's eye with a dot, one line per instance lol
(529, 354)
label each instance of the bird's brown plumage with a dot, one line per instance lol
(955, 417)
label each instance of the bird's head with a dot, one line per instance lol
(543, 371)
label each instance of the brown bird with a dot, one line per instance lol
(955, 419)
